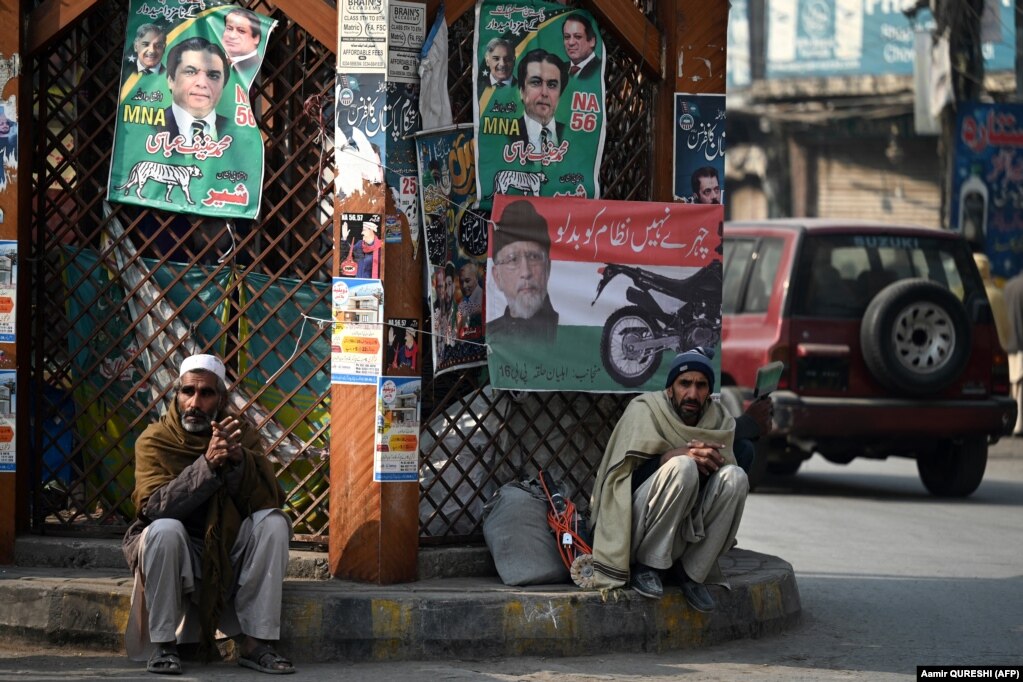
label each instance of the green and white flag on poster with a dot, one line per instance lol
(539, 107)
(185, 138)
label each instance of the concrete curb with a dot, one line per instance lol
(477, 617)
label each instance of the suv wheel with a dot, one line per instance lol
(955, 468)
(915, 337)
(784, 467)
(626, 364)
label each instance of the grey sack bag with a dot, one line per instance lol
(520, 540)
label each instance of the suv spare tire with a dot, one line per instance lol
(915, 337)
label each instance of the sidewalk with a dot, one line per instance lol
(76, 592)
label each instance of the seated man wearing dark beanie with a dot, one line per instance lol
(669, 494)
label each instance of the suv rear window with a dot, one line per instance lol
(838, 275)
(761, 259)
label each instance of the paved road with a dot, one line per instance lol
(890, 578)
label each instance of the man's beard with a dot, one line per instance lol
(203, 426)
(683, 415)
(526, 304)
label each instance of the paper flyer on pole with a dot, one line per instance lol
(357, 334)
(396, 456)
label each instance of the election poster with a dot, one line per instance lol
(359, 133)
(539, 109)
(396, 455)
(8, 420)
(357, 335)
(185, 136)
(699, 160)
(987, 195)
(586, 295)
(456, 246)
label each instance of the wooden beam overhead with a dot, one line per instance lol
(629, 25)
(318, 18)
(52, 17)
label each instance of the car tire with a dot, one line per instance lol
(955, 468)
(915, 337)
(785, 467)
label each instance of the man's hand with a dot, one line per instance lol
(225, 444)
(706, 455)
(762, 411)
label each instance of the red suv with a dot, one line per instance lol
(888, 342)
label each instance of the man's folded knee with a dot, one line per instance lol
(274, 524)
(683, 468)
(733, 479)
(162, 530)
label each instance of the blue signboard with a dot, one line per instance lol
(816, 38)
(987, 194)
(738, 68)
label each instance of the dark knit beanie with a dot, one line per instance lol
(693, 360)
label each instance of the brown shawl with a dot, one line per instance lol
(162, 452)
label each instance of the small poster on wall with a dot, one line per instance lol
(7, 419)
(456, 246)
(8, 291)
(699, 149)
(356, 340)
(396, 456)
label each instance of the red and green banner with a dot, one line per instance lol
(185, 138)
(539, 108)
(586, 295)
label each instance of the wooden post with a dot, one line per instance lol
(695, 36)
(13, 196)
(374, 526)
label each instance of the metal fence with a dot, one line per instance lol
(119, 294)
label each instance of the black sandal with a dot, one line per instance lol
(266, 660)
(165, 660)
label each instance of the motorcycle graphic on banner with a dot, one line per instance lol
(586, 295)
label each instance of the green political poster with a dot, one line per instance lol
(539, 108)
(185, 136)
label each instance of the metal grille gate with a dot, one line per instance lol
(119, 294)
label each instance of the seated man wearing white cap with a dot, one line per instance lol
(668, 494)
(209, 544)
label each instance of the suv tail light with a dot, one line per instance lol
(999, 373)
(781, 353)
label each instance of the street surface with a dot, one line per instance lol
(890, 578)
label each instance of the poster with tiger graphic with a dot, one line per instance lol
(186, 139)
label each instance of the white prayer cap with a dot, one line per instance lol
(210, 363)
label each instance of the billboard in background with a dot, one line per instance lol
(812, 38)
